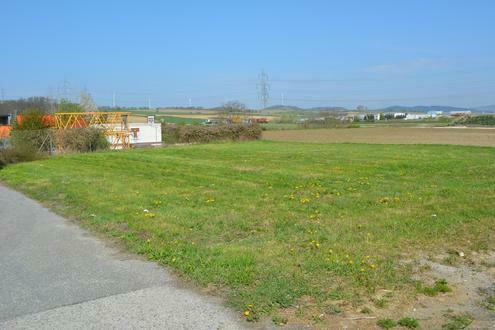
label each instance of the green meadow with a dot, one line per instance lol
(267, 224)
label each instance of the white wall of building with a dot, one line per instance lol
(145, 133)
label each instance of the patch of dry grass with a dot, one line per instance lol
(389, 135)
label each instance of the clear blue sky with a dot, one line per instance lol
(345, 53)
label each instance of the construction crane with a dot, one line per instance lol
(114, 124)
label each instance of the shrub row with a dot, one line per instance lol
(28, 145)
(80, 140)
(478, 120)
(327, 123)
(205, 134)
(23, 153)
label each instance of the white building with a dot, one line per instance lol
(416, 116)
(434, 114)
(145, 133)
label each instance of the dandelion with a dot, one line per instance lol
(246, 313)
(317, 245)
(305, 200)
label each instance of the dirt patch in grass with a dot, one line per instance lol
(470, 300)
(389, 135)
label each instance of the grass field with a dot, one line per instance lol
(165, 119)
(271, 224)
(389, 135)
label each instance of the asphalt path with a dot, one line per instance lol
(55, 275)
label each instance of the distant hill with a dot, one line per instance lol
(486, 108)
(295, 108)
(394, 108)
(284, 108)
(422, 108)
(324, 109)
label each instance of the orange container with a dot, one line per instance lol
(5, 131)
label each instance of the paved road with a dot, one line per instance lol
(55, 275)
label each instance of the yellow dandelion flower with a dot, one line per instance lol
(246, 313)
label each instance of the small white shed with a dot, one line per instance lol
(144, 133)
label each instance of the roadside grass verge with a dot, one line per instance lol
(272, 223)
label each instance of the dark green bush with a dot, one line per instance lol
(80, 140)
(205, 134)
(12, 155)
(32, 132)
(328, 122)
(30, 138)
(487, 120)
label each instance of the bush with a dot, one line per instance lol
(34, 140)
(328, 122)
(205, 134)
(31, 132)
(488, 120)
(80, 140)
(18, 154)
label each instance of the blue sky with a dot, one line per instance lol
(343, 53)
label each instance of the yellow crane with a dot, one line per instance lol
(114, 124)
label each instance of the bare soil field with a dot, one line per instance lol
(389, 135)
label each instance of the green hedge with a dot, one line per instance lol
(80, 140)
(488, 120)
(205, 134)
